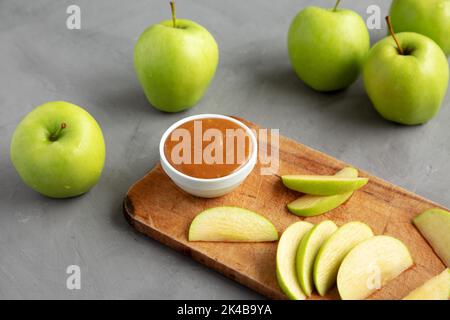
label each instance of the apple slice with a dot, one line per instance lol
(437, 288)
(307, 252)
(322, 185)
(231, 224)
(370, 265)
(309, 205)
(286, 252)
(334, 250)
(434, 224)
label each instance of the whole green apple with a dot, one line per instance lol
(407, 87)
(428, 17)
(434, 225)
(327, 47)
(370, 265)
(175, 62)
(58, 150)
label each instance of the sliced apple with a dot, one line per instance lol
(322, 185)
(307, 252)
(347, 172)
(437, 288)
(370, 265)
(434, 224)
(231, 224)
(334, 250)
(309, 205)
(286, 252)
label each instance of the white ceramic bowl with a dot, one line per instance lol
(209, 188)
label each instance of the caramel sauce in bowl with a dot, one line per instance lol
(208, 155)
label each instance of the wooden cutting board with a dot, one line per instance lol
(156, 207)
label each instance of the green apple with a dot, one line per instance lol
(309, 206)
(175, 62)
(286, 255)
(334, 250)
(307, 252)
(231, 224)
(58, 150)
(437, 288)
(370, 265)
(406, 77)
(434, 224)
(322, 185)
(430, 18)
(327, 47)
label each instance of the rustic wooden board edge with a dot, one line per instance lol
(196, 255)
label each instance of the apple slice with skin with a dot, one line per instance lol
(434, 225)
(231, 224)
(370, 265)
(307, 252)
(437, 288)
(310, 206)
(322, 185)
(334, 250)
(286, 253)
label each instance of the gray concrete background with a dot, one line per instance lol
(40, 60)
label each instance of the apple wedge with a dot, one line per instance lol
(322, 185)
(231, 224)
(307, 252)
(310, 206)
(434, 225)
(370, 265)
(334, 250)
(286, 253)
(437, 288)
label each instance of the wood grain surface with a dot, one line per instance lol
(156, 207)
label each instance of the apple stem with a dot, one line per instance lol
(336, 5)
(55, 135)
(391, 30)
(174, 17)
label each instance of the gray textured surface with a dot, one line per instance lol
(40, 60)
